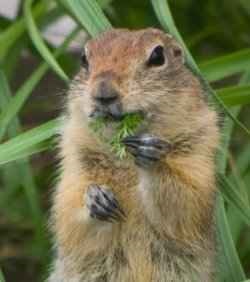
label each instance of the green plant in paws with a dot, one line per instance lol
(123, 128)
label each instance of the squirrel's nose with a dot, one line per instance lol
(106, 94)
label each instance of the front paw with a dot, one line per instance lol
(102, 204)
(146, 149)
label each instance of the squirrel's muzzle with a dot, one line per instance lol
(105, 94)
(107, 100)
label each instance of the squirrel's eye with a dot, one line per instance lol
(157, 57)
(84, 61)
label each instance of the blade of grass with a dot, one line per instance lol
(23, 142)
(39, 43)
(227, 65)
(236, 95)
(235, 221)
(89, 15)
(27, 152)
(26, 89)
(230, 194)
(232, 270)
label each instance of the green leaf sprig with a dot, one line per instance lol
(123, 128)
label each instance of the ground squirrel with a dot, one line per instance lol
(149, 217)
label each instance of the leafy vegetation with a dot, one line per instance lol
(215, 36)
(123, 128)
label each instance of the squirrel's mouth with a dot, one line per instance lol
(106, 115)
(113, 114)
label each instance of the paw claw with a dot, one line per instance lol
(102, 204)
(146, 149)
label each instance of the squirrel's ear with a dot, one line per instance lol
(178, 53)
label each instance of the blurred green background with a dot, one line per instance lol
(32, 91)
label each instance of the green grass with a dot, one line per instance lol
(226, 77)
(123, 128)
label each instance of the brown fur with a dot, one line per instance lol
(168, 234)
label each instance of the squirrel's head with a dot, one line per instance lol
(138, 71)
